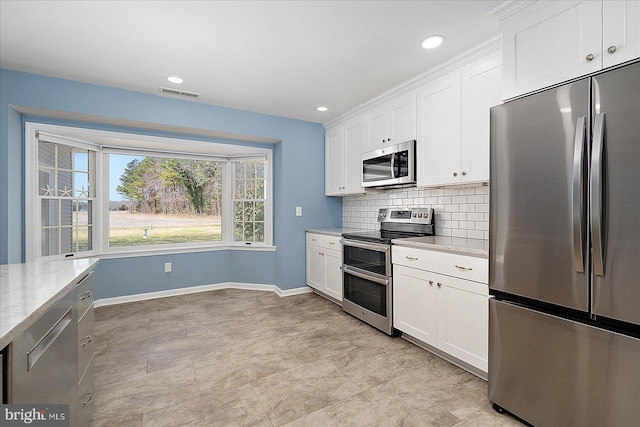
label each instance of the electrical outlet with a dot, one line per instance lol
(298, 210)
(167, 267)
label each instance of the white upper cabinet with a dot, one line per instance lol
(453, 123)
(481, 90)
(392, 123)
(343, 158)
(439, 131)
(553, 41)
(620, 31)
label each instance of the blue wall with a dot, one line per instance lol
(298, 181)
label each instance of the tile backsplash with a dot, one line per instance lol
(459, 211)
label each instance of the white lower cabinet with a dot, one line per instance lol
(324, 259)
(448, 313)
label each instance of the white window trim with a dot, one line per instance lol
(107, 142)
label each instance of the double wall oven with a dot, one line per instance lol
(367, 266)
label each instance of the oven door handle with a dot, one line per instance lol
(364, 245)
(381, 280)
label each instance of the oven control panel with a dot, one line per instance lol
(413, 215)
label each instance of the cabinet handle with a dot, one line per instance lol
(388, 139)
(411, 258)
(85, 295)
(589, 57)
(455, 174)
(313, 240)
(332, 243)
(383, 140)
(83, 404)
(89, 338)
(464, 268)
(611, 49)
(430, 282)
(439, 284)
(464, 173)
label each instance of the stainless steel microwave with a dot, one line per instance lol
(394, 165)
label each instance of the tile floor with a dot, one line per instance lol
(251, 358)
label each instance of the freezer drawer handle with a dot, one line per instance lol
(578, 194)
(597, 219)
(47, 340)
(87, 340)
(463, 268)
(90, 396)
(85, 295)
(411, 258)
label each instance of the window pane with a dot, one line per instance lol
(239, 189)
(259, 211)
(65, 185)
(155, 200)
(260, 189)
(259, 170)
(238, 232)
(81, 239)
(49, 241)
(80, 184)
(46, 154)
(49, 212)
(248, 231)
(46, 182)
(66, 212)
(240, 170)
(65, 157)
(82, 212)
(66, 240)
(259, 232)
(81, 160)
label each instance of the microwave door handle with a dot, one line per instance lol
(393, 165)
(578, 194)
(597, 188)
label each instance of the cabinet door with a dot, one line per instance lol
(376, 129)
(402, 118)
(463, 320)
(353, 149)
(415, 303)
(315, 268)
(620, 31)
(550, 42)
(438, 147)
(481, 90)
(333, 274)
(333, 162)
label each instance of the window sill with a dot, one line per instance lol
(131, 253)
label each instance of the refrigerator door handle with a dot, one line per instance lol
(597, 188)
(578, 193)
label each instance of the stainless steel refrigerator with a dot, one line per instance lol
(564, 249)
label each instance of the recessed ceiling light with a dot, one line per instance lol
(322, 109)
(175, 79)
(432, 41)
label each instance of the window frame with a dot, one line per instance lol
(107, 142)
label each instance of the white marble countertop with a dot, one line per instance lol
(458, 245)
(28, 290)
(336, 231)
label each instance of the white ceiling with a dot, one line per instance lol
(276, 57)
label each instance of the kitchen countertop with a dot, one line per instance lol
(458, 245)
(336, 231)
(28, 290)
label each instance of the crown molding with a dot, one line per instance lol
(490, 46)
(506, 8)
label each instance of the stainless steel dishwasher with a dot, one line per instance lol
(42, 360)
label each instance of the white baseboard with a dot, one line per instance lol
(103, 302)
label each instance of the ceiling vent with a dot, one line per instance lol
(179, 92)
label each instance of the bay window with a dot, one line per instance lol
(95, 192)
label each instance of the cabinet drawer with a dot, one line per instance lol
(324, 241)
(85, 294)
(86, 396)
(86, 340)
(462, 266)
